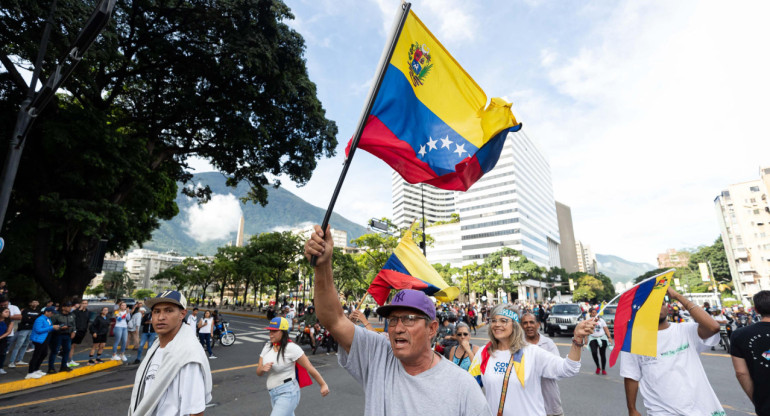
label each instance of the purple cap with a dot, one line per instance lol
(410, 299)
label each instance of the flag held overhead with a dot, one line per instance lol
(430, 120)
(407, 268)
(637, 317)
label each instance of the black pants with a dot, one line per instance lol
(41, 349)
(602, 349)
(472, 323)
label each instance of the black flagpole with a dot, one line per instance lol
(364, 115)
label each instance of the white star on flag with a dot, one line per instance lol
(422, 151)
(446, 142)
(432, 144)
(460, 149)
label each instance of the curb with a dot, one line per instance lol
(25, 384)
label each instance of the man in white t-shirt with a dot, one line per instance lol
(288, 313)
(551, 393)
(674, 382)
(175, 378)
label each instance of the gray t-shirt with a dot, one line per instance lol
(445, 389)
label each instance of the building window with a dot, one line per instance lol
(754, 189)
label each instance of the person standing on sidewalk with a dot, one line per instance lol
(40, 333)
(120, 331)
(62, 338)
(175, 378)
(28, 316)
(6, 327)
(133, 325)
(205, 328)
(147, 337)
(15, 318)
(82, 316)
(100, 327)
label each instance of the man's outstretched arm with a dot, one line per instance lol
(328, 308)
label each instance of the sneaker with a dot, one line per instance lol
(65, 369)
(52, 371)
(30, 350)
(21, 363)
(137, 361)
(115, 357)
(604, 373)
(33, 375)
(11, 365)
(3, 371)
(123, 357)
(99, 361)
(91, 362)
(212, 357)
(40, 373)
(72, 364)
(597, 371)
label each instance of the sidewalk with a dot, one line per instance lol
(15, 379)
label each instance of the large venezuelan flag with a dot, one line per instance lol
(637, 315)
(428, 121)
(407, 268)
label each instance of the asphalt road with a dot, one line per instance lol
(238, 390)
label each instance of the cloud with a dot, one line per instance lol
(215, 220)
(282, 228)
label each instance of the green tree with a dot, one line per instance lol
(347, 274)
(177, 277)
(715, 254)
(278, 255)
(96, 290)
(224, 81)
(117, 284)
(141, 294)
(376, 250)
(447, 272)
(588, 289)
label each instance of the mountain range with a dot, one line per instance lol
(186, 233)
(283, 211)
(621, 270)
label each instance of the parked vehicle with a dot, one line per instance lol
(609, 318)
(563, 319)
(324, 338)
(130, 303)
(223, 334)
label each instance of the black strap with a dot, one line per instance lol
(140, 393)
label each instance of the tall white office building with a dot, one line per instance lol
(512, 206)
(407, 202)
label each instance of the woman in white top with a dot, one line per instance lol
(508, 348)
(122, 316)
(134, 325)
(598, 341)
(278, 360)
(205, 328)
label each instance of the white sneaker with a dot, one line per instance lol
(33, 375)
(21, 363)
(72, 364)
(211, 357)
(123, 357)
(11, 365)
(115, 357)
(3, 371)
(40, 373)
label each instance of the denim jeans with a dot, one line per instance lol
(20, 347)
(206, 342)
(65, 342)
(284, 399)
(147, 338)
(120, 338)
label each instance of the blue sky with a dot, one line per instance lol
(645, 110)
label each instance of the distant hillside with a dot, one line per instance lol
(284, 210)
(621, 270)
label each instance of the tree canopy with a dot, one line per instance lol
(224, 81)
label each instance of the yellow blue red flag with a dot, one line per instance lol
(429, 120)
(407, 268)
(637, 315)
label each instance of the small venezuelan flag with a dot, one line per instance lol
(479, 365)
(636, 317)
(428, 121)
(407, 268)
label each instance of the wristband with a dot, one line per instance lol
(577, 344)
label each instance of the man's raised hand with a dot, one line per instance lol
(320, 245)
